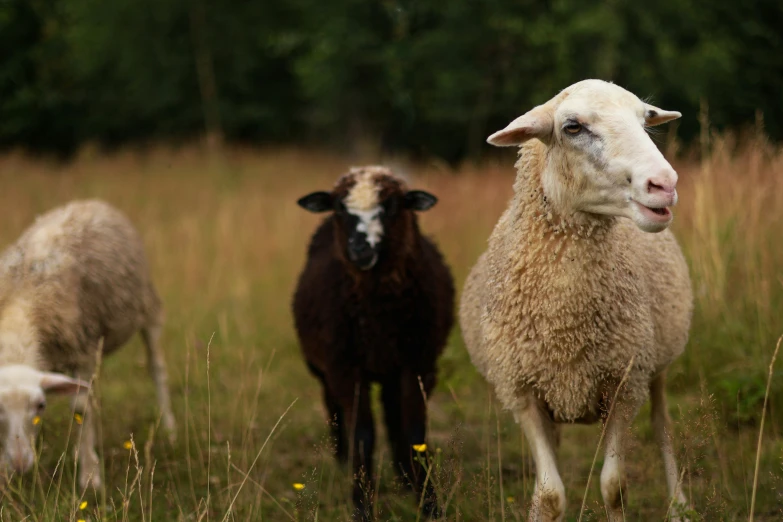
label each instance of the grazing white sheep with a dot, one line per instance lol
(75, 281)
(572, 286)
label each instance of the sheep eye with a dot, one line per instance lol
(573, 128)
(41, 406)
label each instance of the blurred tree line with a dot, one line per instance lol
(424, 76)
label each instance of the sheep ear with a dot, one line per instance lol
(656, 116)
(316, 202)
(61, 384)
(419, 200)
(536, 123)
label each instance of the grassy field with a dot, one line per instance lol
(226, 241)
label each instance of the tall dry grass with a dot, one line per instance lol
(729, 221)
(226, 241)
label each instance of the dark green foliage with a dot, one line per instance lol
(742, 396)
(427, 77)
(37, 106)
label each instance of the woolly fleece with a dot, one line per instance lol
(77, 275)
(558, 305)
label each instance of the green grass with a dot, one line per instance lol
(226, 241)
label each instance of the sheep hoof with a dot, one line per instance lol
(171, 433)
(362, 515)
(548, 506)
(91, 480)
(681, 511)
(430, 509)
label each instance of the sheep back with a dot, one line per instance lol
(377, 324)
(81, 274)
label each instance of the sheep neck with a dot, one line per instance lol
(550, 217)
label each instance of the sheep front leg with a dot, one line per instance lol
(157, 366)
(84, 451)
(662, 428)
(613, 473)
(334, 416)
(354, 400)
(549, 497)
(406, 418)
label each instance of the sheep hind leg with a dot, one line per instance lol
(662, 428)
(157, 367)
(549, 499)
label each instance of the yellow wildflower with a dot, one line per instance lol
(36, 420)
(78, 418)
(420, 448)
(83, 505)
(298, 486)
(510, 500)
(127, 444)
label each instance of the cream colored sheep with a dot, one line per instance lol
(76, 280)
(573, 285)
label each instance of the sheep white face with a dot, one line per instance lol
(22, 402)
(366, 203)
(601, 161)
(362, 213)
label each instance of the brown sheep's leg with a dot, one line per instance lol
(662, 428)
(336, 427)
(354, 399)
(335, 417)
(392, 412)
(157, 367)
(413, 414)
(392, 415)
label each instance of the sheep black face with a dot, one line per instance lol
(368, 205)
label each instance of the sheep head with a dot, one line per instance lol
(22, 402)
(600, 158)
(372, 211)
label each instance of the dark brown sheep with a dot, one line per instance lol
(374, 303)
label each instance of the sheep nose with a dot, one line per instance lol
(358, 245)
(663, 184)
(362, 248)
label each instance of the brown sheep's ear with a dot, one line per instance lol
(419, 200)
(317, 202)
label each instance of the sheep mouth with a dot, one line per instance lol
(658, 214)
(364, 262)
